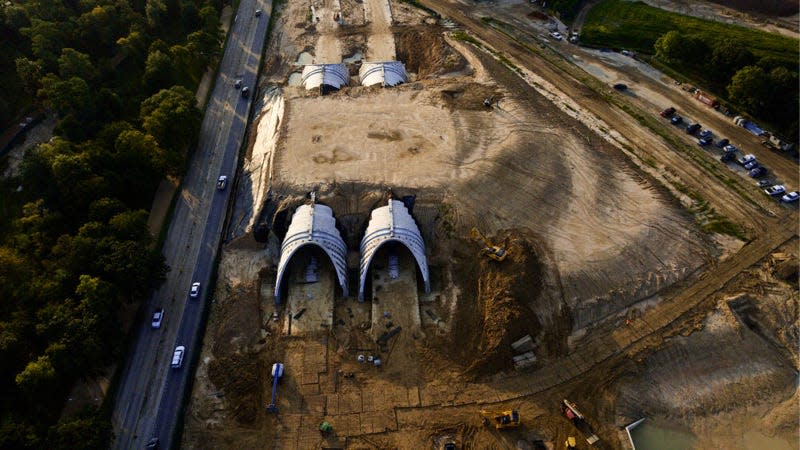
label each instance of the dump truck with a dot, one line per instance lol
(501, 419)
(579, 420)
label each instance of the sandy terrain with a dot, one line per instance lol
(600, 247)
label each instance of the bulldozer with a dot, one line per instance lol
(501, 419)
(494, 252)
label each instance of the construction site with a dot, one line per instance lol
(442, 241)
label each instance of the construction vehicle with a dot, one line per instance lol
(494, 252)
(571, 412)
(570, 443)
(501, 419)
(277, 373)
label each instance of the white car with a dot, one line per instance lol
(778, 189)
(177, 357)
(729, 148)
(158, 316)
(556, 35)
(195, 291)
(706, 133)
(222, 181)
(791, 197)
(746, 159)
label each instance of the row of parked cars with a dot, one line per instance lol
(749, 162)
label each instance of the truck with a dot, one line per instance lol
(773, 142)
(749, 126)
(706, 99)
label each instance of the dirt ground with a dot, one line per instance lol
(601, 248)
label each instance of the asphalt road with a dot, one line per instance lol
(151, 394)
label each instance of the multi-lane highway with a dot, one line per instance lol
(150, 397)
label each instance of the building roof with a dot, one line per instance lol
(313, 225)
(386, 73)
(392, 223)
(334, 75)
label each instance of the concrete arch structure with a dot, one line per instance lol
(386, 73)
(332, 76)
(313, 225)
(392, 223)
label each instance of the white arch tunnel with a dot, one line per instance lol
(385, 73)
(316, 75)
(313, 225)
(392, 223)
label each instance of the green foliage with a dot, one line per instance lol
(172, 117)
(713, 54)
(37, 377)
(565, 9)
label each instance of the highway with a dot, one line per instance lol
(150, 396)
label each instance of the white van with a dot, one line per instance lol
(177, 357)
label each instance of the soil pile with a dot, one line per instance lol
(503, 316)
(424, 51)
(239, 377)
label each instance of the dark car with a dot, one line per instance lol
(758, 172)
(620, 86)
(764, 183)
(727, 157)
(245, 92)
(676, 120)
(702, 142)
(692, 129)
(668, 112)
(722, 143)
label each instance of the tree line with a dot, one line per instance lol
(763, 87)
(119, 75)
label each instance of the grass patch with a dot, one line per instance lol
(637, 26)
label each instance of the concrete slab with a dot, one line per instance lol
(309, 305)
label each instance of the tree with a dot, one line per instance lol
(73, 63)
(70, 96)
(750, 87)
(29, 72)
(172, 117)
(39, 376)
(159, 72)
(47, 40)
(156, 12)
(675, 47)
(727, 58)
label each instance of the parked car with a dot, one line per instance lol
(764, 183)
(628, 53)
(773, 191)
(758, 172)
(620, 86)
(729, 148)
(692, 129)
(722, 143)
(158, 316)
(676, 120)
(221, 182)
(702, 142)
(706, 133)
(668, 112)
(729, 156)
(751, 165)
(791, 197)
(177, 357)
(746, 159)
(195, 290)
(556, 35)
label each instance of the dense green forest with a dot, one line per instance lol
(750, 70)
(75, 249)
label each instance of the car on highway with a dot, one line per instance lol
(556, 35)
(195, 290)
(245, 92)
(238, 83)
(704, 141)
(177, 357)
(158, 316)
(706, 133)
(620, 86)
(692, 129)
(258, 13)
(668, 112)
(722, 143)
(153, 444)
(676, 120)
(791, 197)
(222, 181)
(776, 190)
(746, 159)
(758, 172)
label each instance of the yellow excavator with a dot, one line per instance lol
(494, 252)
(501, 419)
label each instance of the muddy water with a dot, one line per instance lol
(647, 436)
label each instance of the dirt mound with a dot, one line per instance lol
(239, 376)
(468, 96)
(780, 8)
(424, 51)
